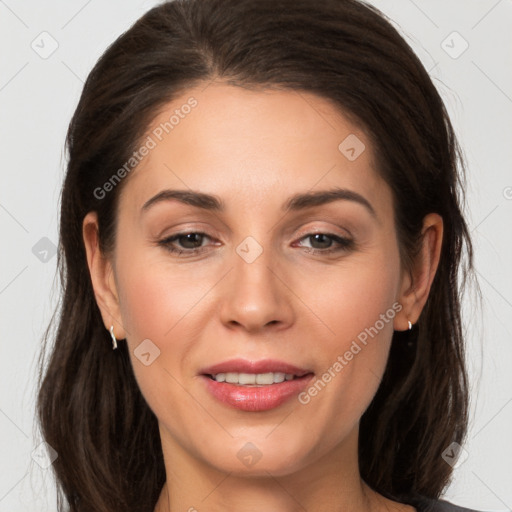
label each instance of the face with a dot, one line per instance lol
(290, 267)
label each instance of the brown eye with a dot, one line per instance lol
(185, 243)
(327, 243)
(190, 240)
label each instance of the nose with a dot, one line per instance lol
(256, 296)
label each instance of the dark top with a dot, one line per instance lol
(428, 505)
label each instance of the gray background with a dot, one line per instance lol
(38, 93)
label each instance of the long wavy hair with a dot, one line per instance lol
(90, 408)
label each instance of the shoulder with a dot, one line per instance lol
(431, 505)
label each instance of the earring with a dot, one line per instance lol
(114, 341)
(409, 324)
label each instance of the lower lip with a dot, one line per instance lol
(256, 398)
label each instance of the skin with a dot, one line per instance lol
(254, 149)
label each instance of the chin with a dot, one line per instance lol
(258, 458)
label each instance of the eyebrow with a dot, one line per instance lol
(297, 202)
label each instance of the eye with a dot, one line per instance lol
(322, 243)
(191, 243)
(185, 243)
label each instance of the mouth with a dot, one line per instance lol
(255, 386)
(245, 369)
(253, 379)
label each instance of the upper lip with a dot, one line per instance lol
(262, 366)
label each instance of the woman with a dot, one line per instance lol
(262, 217)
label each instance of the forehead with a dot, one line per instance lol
(252, 147)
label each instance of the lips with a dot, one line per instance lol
(262, 366)
(272, 384)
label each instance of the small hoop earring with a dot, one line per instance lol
(114, 341)
(409, 324)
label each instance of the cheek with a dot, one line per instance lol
(358, 350)
(154, 306)
(144, 296)
(154, 298)
(354, 299)
(360, 320)
(166, 305)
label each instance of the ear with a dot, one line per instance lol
(102, 277)
(416, 284)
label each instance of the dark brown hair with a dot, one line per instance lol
(90, 408)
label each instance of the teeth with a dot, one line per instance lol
(253, 379)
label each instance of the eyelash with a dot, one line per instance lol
(344, 244)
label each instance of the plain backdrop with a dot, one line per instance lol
(48, 48)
